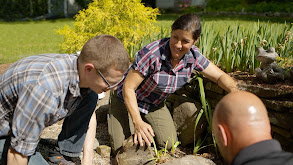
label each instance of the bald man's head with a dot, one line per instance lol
(240, 119)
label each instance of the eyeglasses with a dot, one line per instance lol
(109, 85)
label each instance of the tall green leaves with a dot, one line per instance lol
(234, 47)
(206, 109)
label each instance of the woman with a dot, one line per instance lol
(159, 69)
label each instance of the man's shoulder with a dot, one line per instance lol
(267, 152)
(41, 60)
(51, 71)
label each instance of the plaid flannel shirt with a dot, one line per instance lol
(36, 92)
(161, 79)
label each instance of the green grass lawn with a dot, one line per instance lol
(22, 39)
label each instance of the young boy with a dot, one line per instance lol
(38, 91)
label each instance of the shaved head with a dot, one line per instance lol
(240, 119)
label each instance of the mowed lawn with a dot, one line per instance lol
(22, 39)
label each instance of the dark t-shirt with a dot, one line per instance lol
(267, 152)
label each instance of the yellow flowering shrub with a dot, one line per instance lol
(128, 20)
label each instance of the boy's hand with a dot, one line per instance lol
(14, 158)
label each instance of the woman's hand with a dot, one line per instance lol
(143, 131)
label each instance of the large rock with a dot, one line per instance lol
(191, 160)
(265, 92)
(132, 154)
(283, 120)
(278, 105)
(104, 151)
(211, 86)
(184, 115)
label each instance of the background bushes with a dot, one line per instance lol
(250, 5)
(16, 9)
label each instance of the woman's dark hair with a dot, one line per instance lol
(188, 22)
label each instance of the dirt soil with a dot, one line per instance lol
(248, 78)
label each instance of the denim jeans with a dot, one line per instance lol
(74, 128)
(72, 136)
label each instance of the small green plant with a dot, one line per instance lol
(128, 20)
(198, 145)
(159, 154)
(174, 145)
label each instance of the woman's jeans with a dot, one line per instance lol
(72, 136)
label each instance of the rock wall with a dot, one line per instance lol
(279, 103)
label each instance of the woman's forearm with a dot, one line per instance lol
(131, 105)
(227, 83)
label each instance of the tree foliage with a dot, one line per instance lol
(16, 9)
(128, 20)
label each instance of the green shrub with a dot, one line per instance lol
(128, 20)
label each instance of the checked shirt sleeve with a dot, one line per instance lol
(201, 62)
(34, 108)
(145, 62)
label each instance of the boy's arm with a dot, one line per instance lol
(88, 147)
(14, 157)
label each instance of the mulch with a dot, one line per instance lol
(251, 79)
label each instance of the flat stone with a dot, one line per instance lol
(212, 95)
(281, 131)
(283, 120)
(278, 105)
(104, 150)
(213, 87)
(132, 154)
(265, 92)
(191, 160)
